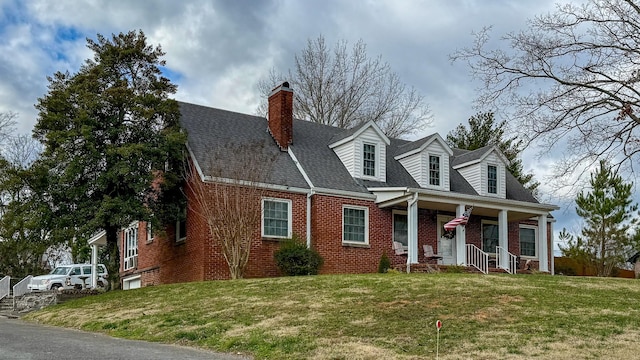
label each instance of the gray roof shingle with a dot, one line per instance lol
(212, 131)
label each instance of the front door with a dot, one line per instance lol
(446, 246)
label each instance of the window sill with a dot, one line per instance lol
(356, 245)
(273, 239)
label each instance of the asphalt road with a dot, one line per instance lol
(20, 340)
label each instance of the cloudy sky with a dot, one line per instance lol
(217, 51)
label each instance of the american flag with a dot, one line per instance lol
(462, 220)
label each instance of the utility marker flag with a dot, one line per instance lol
(462, 220)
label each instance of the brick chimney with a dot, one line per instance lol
(281, 115)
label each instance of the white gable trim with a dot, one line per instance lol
(434, 137)
(362, 129)
(481, 158)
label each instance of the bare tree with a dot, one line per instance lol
(345, 88)
(229, 199)
(7, 125)
(570, 79)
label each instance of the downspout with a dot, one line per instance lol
(309, 218)
(411, 202)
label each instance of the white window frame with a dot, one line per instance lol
(366, 224)
(535, 241)
(482, 224)
(440, 171)
(376, 167)
(497, 179)
(289, 218)
(393, 225)
(130, 242)
(149, 231)
(179, 228)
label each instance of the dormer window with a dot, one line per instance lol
(434, 170)
(369, 160)
(492, 179)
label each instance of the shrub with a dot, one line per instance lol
(294, 258)
(384, 264)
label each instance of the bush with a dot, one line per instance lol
(384, 264)
(294, 258)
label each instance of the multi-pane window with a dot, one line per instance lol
(369, 160)
(400, 229)
(434, 170)
(489, 238)
(492, 179)
(130, 247)
(354, 225)
(276, 218)
(528, 241)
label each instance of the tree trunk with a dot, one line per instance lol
(113, 253)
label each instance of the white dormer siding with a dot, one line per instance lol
(417, 163)
(351, 151)
(477, 174)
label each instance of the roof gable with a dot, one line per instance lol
(467, 158)
(419, 145)
(349, 135)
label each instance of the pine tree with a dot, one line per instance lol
(484, 131)
(609, 214)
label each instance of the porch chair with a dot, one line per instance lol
(428, 253)
(398, 248)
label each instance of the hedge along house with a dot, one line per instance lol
(351, 194)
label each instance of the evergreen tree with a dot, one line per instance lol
(484, 131)
(609, 214)
(110, 132)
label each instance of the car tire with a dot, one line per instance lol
(55, 287)
(103, 284)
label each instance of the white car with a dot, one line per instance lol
(75, 276)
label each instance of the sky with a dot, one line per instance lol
(217, 51)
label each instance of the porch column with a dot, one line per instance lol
(461, 239)
(412, 231)
(543, 251)
(503, 238)
(94, 266)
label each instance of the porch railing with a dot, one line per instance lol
(506, 260)
(5, 287)
(477, 258)
(20, 289)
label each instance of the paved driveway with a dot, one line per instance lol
(20, 340)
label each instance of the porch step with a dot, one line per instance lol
(6, 304)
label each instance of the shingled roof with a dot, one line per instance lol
(211, 131)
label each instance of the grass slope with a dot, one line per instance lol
(376, 316)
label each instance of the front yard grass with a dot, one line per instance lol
(376, 316)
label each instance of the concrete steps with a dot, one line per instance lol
(6, 304)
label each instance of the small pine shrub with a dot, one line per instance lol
(385, 264)
(294, 258)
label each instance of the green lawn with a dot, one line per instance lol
(376, 316)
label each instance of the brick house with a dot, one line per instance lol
(351, 194)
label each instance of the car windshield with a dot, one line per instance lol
(61, 270)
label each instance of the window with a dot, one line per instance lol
(434, 170)
(369, 160)
(130, 247)
(400, 228)
(276, 218)
(489, 237)
(355, 224)
(181, 227)
(492, 179)
(528, 235)
(149, 231)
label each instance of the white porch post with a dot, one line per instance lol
(461, 239)
(94, 267)
(543, 251)
(412, 231)
(503, 238)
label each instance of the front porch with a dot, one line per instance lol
(500, 235)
